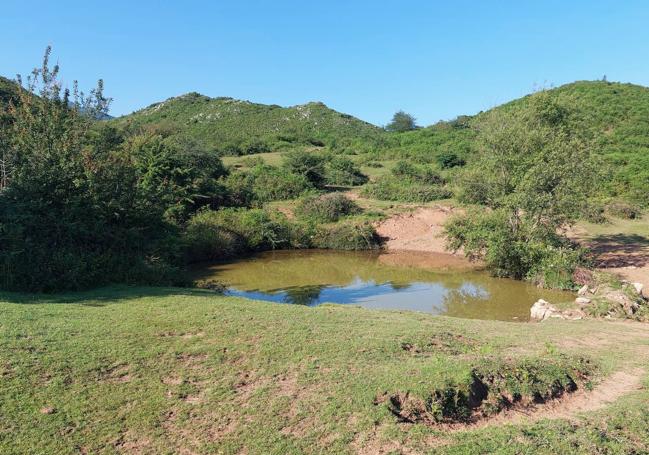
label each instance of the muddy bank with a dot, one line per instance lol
(419, 230)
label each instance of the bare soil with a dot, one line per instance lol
(418, 230)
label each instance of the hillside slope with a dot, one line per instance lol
(614, 116)
(235, 127)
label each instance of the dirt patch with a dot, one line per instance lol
(132, 443)
(608, 391)
(192, 361)
(625, 255)
(116, 374)
(419, 230)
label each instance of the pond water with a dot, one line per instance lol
(425, 282)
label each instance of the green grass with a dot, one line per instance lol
(161, 371)
(618, 226)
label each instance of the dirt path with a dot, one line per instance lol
(626, 255)
(419, 230)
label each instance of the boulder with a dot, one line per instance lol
(583, 290)
(638, 287)
(542, 310)
(582, 300)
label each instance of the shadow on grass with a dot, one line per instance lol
(620, 250)
(101, 296)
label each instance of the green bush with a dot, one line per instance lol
(308, 165)
(326, 208)
(264, 183)
(342, 171)
(525, 253)
(621, 209)
(413, 173)
(448, 160)
(346, 235)
(389, 188)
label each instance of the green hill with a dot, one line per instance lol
(614, 116)
(235, 127)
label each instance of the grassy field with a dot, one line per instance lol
(161, 371)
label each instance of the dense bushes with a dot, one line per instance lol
(326, 208)
(74, 214)
(229, 232)
(542, 257)
(408, 182)
(264, 183)
(346, 235)
(390, 188)
(232, 231)
(341, 171)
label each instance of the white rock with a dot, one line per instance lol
(541, 310)
(582, 300)
(583, 290)
(638, 287)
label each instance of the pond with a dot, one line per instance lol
(425, 282)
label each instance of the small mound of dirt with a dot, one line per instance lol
(489, 390)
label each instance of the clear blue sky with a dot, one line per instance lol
(432, 59)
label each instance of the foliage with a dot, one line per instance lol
(73, 215)
(533, 174)
(264, 183)
(309, 165)
(408, 182)
(448, 160)
(326, 208)
(401, 122)
(390, 188)
(624, 210)
(342, 171)
(182, 180)
(346, 235)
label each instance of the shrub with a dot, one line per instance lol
(326, 208)
(342, 171)
(309, 165)
(346, 235)
(389, 188)
(232, 231)
(621, 209)
(525, 253)
(273, 184)
(263, 183)
(448, 160)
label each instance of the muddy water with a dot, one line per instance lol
(426, 282)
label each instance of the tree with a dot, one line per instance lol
(533, 174)
(72, 214)
(401, 122)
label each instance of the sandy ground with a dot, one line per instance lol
(624, 255)
(419, 230)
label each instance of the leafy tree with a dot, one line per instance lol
(182, 180)
(401, 122)
(72, 215)
(533, 173)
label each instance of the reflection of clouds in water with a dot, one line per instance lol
(473, 291)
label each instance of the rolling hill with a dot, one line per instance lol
(613, 115)
(235, 127)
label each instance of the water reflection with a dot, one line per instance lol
(437, 284)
